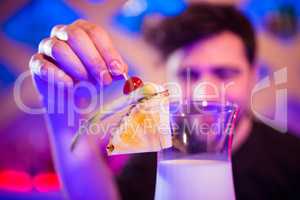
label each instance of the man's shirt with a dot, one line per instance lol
(266, 166)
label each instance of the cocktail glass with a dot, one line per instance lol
(198, 165)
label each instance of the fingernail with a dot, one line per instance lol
(115, 67)
(62, 35)
(35, 67)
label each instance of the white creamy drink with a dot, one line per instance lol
(194, 179)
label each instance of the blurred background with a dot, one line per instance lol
(26, 167)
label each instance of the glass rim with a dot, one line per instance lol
(203, 106)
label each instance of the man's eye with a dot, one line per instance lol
(190, 74)
(226, 73)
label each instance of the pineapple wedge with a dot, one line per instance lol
(146, 126)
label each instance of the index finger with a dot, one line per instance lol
(104, 45)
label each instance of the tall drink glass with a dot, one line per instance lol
(198, 165)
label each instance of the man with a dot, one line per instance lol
(212, 44)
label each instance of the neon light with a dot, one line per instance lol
(46, 182)
(16, 181)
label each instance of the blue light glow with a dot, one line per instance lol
(7, 76)
(256, 10)
(35, 20)
(133, 12)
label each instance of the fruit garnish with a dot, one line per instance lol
(132, 84)
(148, 89)
(133, 111)
(145, 125)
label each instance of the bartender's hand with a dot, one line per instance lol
(81, 51)
(78, 52)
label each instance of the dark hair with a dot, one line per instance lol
(200, 21)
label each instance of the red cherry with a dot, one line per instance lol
(132, 84)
